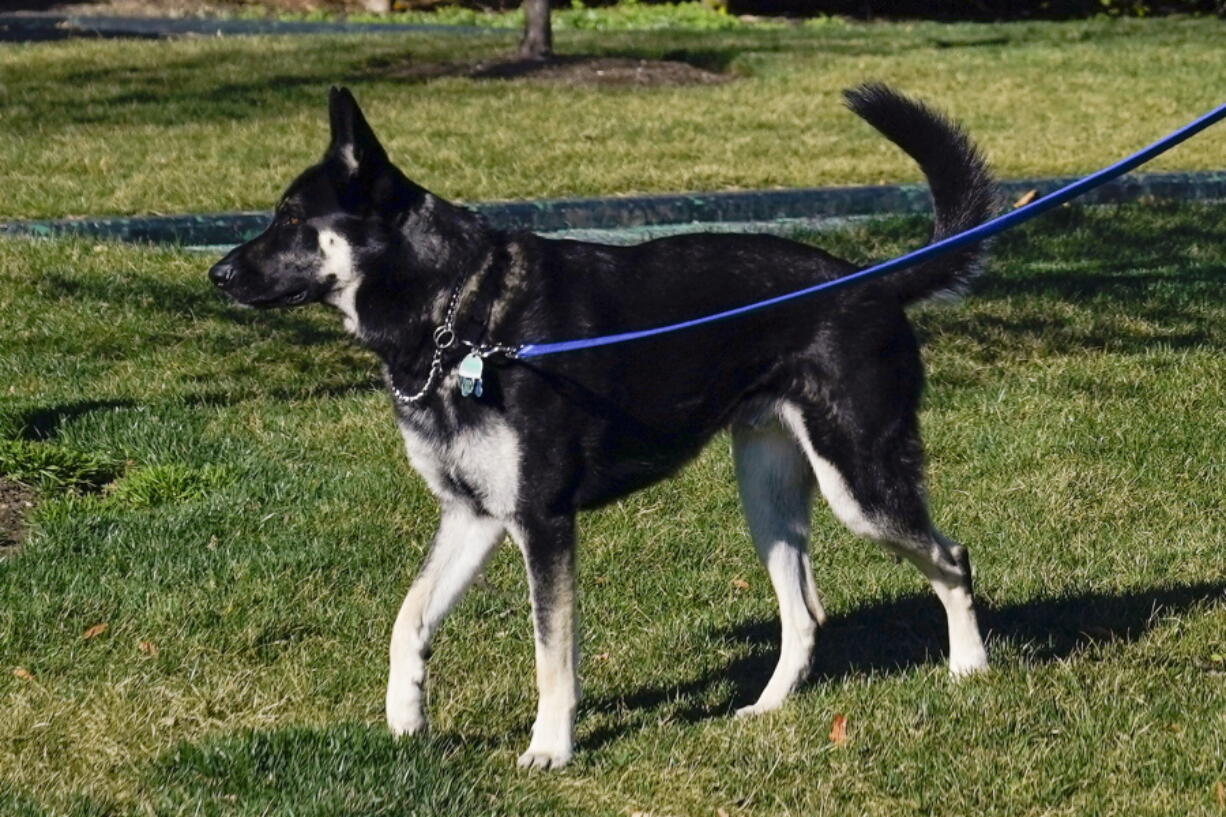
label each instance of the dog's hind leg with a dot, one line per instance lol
(461, 547)
(549, 555)
(872, 480)
(776, 486)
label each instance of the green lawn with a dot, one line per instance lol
(224, 489)
(217, 124)
(243, 506)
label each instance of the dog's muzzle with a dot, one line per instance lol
(222, 273)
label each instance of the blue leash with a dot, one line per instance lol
(978, 233)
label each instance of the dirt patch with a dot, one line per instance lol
(16, 502)
(566, 70)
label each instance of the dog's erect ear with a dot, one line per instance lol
(353, 142)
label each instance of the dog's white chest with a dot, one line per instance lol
(483, 460)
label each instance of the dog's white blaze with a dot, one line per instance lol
(486, 457)
(338, 264)
(489, 455)
(833, 487)
(461, 547)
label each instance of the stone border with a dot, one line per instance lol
(658, 214)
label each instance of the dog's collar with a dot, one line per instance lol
(443, 338)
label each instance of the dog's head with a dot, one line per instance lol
(346, 206)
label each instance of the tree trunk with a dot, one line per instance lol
(377, 6)
(537, 42)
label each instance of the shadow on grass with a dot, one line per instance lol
(187, 88)
(325, 390)
(39, 424)
(1126, 279)
(43, 423)
(901, 634)
(347, 769)
(190, 303)
(610, 68)
(1132, 312)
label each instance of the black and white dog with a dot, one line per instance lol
(821, 391)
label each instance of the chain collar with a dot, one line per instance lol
(444, 338)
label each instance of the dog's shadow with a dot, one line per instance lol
(895, 636)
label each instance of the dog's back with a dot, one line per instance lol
(654, 403)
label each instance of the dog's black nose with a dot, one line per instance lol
(222, 273)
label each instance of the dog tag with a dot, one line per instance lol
(470, 374)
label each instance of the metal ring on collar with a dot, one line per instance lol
(444, 337)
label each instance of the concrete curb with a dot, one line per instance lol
(644, 216)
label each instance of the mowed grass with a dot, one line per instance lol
(241, 517)
(98, 127)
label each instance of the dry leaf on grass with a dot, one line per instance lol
(25, 675)
(1026, 198)
(838, 729)
(148, 648)
(95, 631)
(740, 584)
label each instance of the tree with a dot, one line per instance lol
(537, 42)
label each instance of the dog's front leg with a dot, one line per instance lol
(549, 553)
(461, 546)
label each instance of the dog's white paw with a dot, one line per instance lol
(405, 719)
(972, 659)
(544, 758)
(972, 665)
(756, 709)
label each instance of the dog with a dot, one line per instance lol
(818, 392)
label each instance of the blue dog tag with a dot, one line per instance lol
(470, 374)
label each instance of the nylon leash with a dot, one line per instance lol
(975, 234)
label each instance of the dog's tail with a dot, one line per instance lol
(963, 191)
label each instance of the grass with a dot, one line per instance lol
(100, 127)
(230, 498)
(225, 491)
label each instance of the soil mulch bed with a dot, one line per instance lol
(566, 70)
(16, 502)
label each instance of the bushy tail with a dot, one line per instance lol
(963, 191)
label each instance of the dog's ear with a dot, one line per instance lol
(353, 141)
